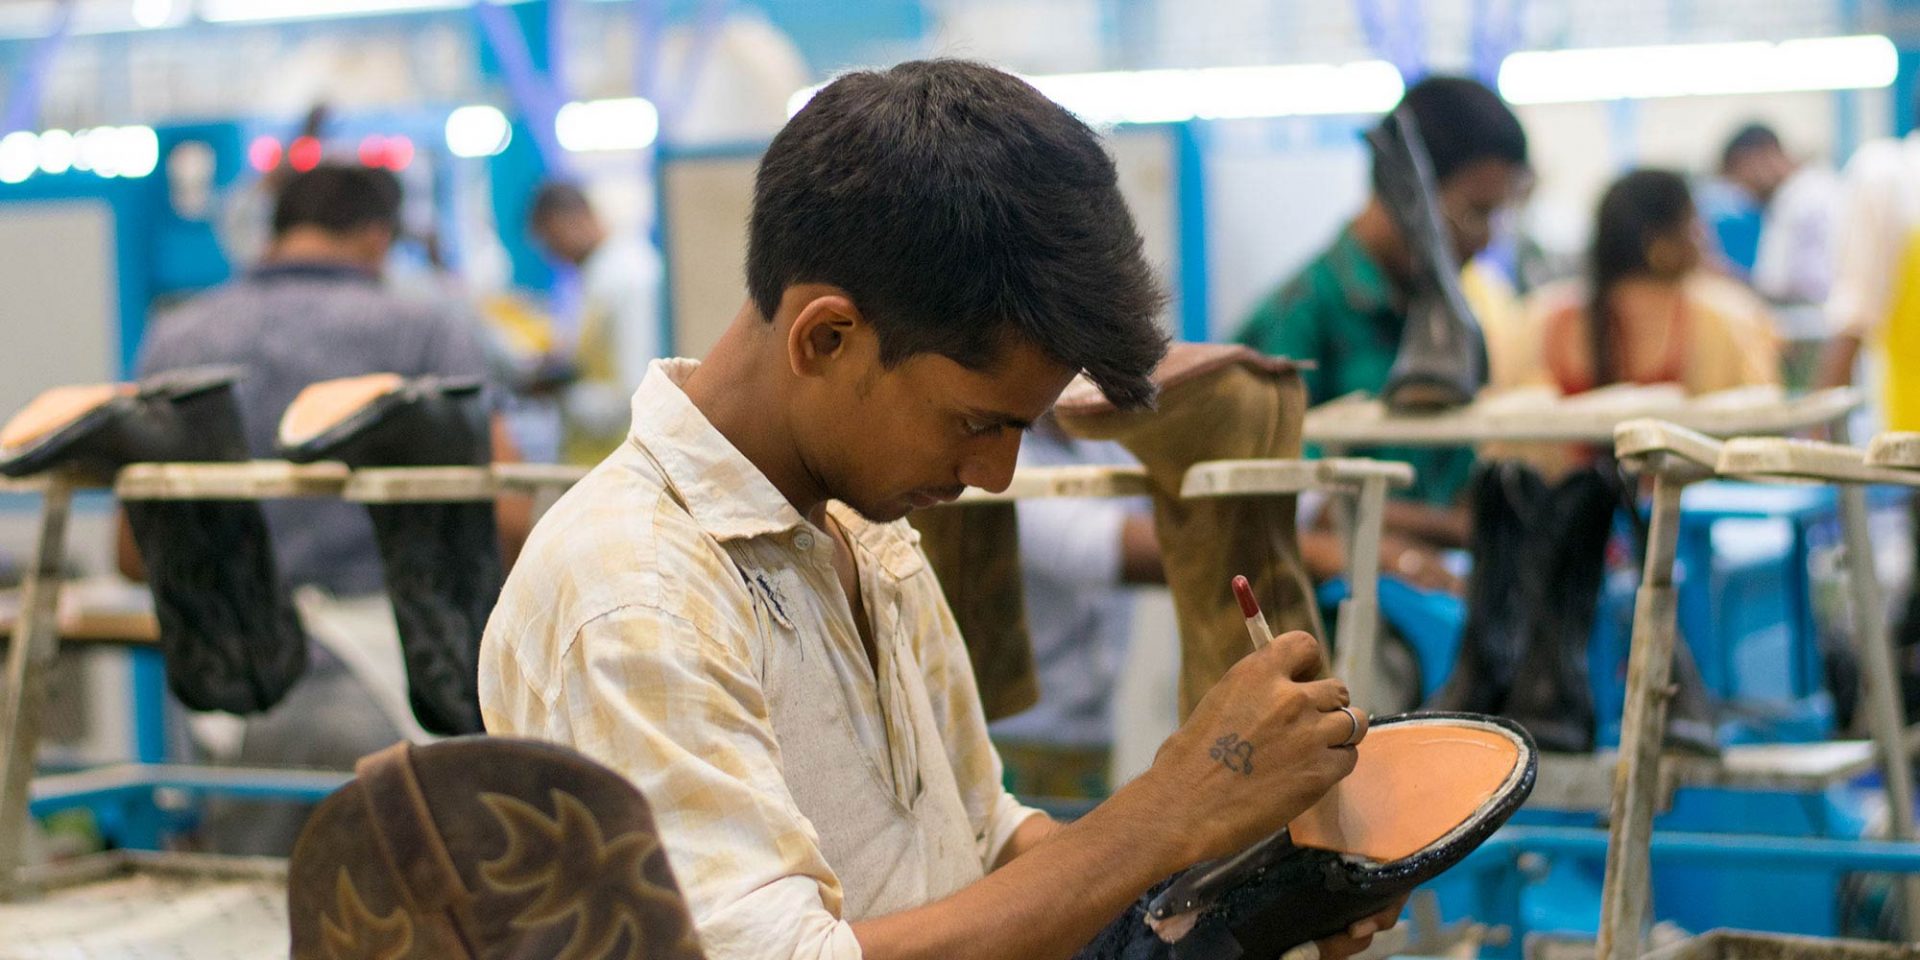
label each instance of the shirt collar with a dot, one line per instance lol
(1361, 278)
(314, 270)
(726, 494)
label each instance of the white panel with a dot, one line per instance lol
(706, 207)
(1147, 166)
(60, 316)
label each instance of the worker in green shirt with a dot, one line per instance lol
(1345, 309)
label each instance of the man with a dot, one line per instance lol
(1794, 261)
(1345, 309)
(1875, 308)
(313, 310)
(726, 611)
(617, 330)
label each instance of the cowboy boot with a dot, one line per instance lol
(1428, 790)
(228, 630)
(974, 550)
(1216, 403)
(442, 560)
(1442, 361)
(1567, 564)
(485, 847)
(1504, 496)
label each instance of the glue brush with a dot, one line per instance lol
(1250, 608)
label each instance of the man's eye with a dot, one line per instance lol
(978, 428)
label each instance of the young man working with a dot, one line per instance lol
(726, 611)
(617, 330)
(1345, 309)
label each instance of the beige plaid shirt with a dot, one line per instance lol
(675, 618)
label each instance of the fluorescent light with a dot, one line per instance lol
(1214, 93)
(56, 151)
(1620, 73)
(478, 131)
(153, 13)
(630, 123)
(19, 156)
(137, 152)
(248, 11)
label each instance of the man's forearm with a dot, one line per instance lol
(1436, 526)
(1047, 900)
(1837, 358)
(1037, 828)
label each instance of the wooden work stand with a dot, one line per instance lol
(37, 631)
(1640, 778)
(1673, 457)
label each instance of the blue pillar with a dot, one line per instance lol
(517, 172)
(1191, 209)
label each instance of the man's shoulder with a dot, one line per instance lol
(617, 540)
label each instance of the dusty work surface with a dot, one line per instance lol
(140, 913)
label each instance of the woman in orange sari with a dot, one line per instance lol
(1646, 313)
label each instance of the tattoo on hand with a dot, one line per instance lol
(1234, 753)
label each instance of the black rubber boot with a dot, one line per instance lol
(1505, 496)
(1553, 694)
(442, 560)
(1442, 361)
(228, 629)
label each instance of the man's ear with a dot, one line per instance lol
(824, 324)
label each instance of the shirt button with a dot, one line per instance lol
(803, 541)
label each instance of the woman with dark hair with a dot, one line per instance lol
(1646, 312)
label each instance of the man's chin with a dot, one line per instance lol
(885, 512)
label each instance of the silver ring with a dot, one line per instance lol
(1353, 736)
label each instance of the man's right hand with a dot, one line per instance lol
(1262, 746)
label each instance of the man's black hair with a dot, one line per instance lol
(961, 210)
(557, 198)
(1753, 136)
(1461, 122)
(339, 198)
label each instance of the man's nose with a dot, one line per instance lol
(990, 465)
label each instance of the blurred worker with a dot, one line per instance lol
(1646, 312)
(1076, 557)
(1344, 310)
(315, 309)
(1799, 201)
(618, 330)
(1875, 302)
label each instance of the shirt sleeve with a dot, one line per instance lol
(1867, 240)
(683, 716)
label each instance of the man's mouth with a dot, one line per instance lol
(922, 499)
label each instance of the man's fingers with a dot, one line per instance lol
(1300, 656)
(1327, 695)
(1344, 727)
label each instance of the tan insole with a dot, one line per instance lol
(1414, 784)
(56, 408)
(321, 405)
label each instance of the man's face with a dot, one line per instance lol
(1760, 171)
(1471, 198)
(571, 237)
(893, 441)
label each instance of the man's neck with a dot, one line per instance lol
(315, 246)
(1380, 237)
(738, 393)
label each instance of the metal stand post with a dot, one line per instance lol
(36, 638)
(1625, 896)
